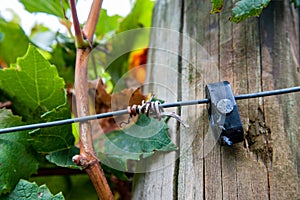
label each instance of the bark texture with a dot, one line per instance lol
(259, 54)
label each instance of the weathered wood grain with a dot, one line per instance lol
(159, 179)
(279, 35)
(256, 55)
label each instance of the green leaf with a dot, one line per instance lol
(247, 8)
(37, 93)
(10, 33)
(107, 23)
(56, 138)
(77, 187)
(122, 45)
(52, 7)
(139, 17)
(140, 140)
(64, 158)
(33, 85)
(217, 6)
(28, 191)
(17, 159)
(63, 57)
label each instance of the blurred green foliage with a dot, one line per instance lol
(31, 81)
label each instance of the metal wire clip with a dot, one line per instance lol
(223, 113)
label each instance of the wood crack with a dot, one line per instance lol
(259, 140)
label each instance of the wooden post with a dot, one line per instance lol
(258, 54)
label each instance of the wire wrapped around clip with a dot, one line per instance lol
(153, 108)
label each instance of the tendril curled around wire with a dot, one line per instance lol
(152, 109)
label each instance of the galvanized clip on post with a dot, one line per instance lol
(223, 113)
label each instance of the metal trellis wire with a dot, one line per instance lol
(125, 111)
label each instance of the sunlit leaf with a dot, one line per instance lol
(247, 8)
(107, 23)
(38, 95)
(139, 17)
(33, 85)
(17, 159)
(25, 190)
(10, 33)
(52, 7)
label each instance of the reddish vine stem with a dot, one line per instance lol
(78, 34)
(91, 23)
(87, 158)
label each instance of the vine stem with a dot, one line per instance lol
(78, 34)
(87, 157)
